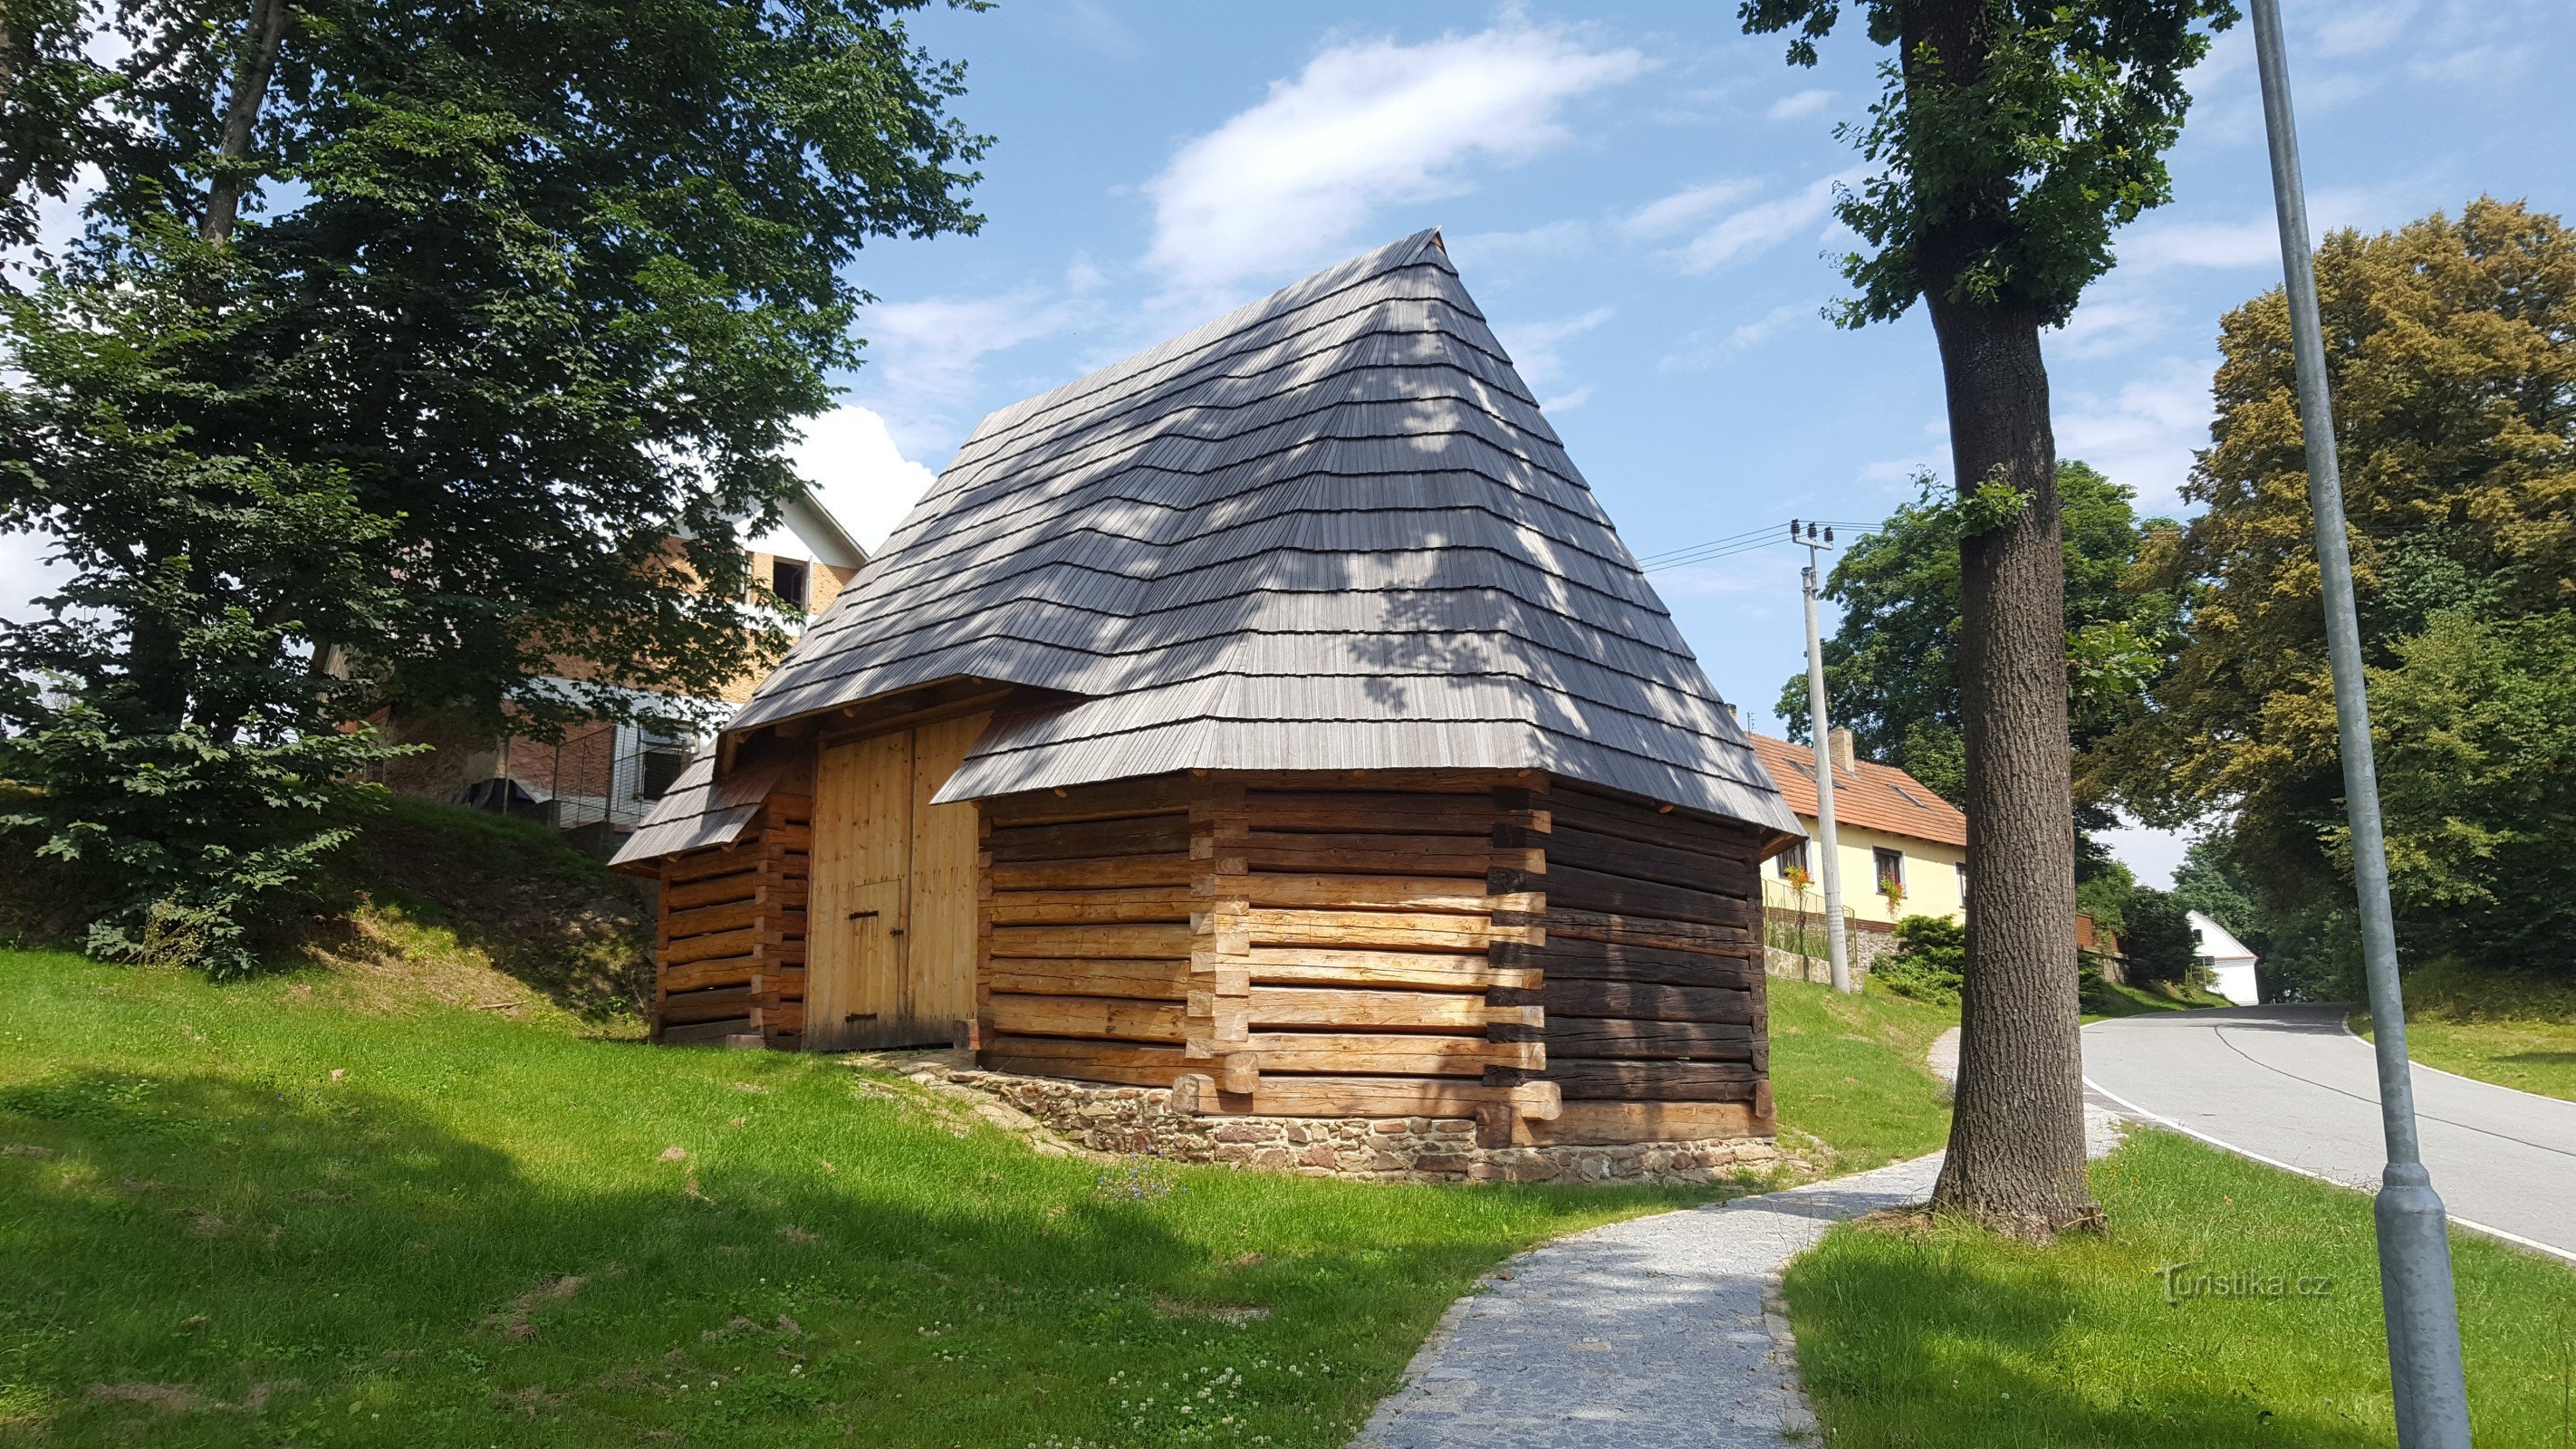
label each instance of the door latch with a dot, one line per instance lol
(861, 915)
(858, 1016)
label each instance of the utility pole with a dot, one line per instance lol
(1820, 729)
(2415, 1292)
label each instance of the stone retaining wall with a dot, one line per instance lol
(1140, 1121)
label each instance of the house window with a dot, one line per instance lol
(792, 580)
(1794, 858)
(1891, 871)
(1962, 868)
(659, 762)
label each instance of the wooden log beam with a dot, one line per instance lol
(1564, 957)
(1671, 865)
(1085, 1016)
(1412, 855)
(1371, 812)
(1106, 871)
(739, 885)
(1346, 892)
(1659, 933)
(1574, 997)
(1320, 965)
(1139, 980)
(1099, 1061)
(1374, 1010)
(1656, 1081)
(1397, 930)
(1124, 904)
(1571, 888)
(714, 1004)
(1141, 942)
(1142, 835)
(1603, 815)
(702, 975)
(1391, 1054)
(1571, 1037)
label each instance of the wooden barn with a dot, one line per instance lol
(1273, 716)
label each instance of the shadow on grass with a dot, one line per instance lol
(241, 1261)
(237, 1260)
(510, 892)
(1907, 1347)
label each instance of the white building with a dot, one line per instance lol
(2227, 960)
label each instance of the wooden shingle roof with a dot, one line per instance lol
(1872, 795)
(1330, 531)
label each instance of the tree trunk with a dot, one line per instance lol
(2016, 1156)
(250, 87)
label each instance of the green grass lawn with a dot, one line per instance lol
(2511, 1030)
(1935, 1335)
(304, 1210)
(1850, 1070)
(2105, 999)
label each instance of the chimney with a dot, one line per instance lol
(1838, 744)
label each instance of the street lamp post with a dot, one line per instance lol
(2414, 1235)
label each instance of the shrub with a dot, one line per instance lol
(2158, 944)
(1931, 954)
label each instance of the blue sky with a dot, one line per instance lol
(1637, 195)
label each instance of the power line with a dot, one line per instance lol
(1768, 536)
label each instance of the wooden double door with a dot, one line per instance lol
(890, 939)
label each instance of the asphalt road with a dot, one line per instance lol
(2289, 1085)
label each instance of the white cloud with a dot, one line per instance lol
(2144, 436)
(862, 477)
(2105, 324)
(1366, 125)
(925, 358)
(1670, 214)
(1566, 402)
(1699, 350)
(1801, 103)
(1761, 227)
(1769, 325)
(1534, 345)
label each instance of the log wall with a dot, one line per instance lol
(1562, 964)
(1651, 972)
(731, 954)
(1295, 945)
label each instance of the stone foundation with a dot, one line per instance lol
(1140, 1121)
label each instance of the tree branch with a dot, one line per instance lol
(250, 88)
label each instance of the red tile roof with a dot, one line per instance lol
(1880, 797)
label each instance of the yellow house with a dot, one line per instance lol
(1904, 849)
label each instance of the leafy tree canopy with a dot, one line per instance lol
(414, 353)
(2451, 347)
(1891, 665)
(2045, 132)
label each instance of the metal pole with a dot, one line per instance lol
(2414, 1238)
(1819, 728)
